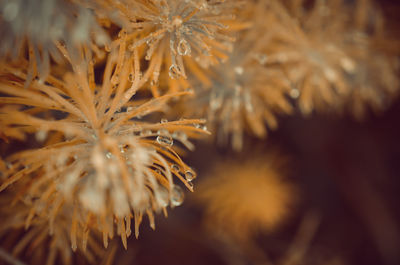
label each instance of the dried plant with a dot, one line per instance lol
(36, 240)
(174, 31)
(325, 48)
(242, 94)
(85, 87)
(98, 156)
(39, 25)
(244, 198)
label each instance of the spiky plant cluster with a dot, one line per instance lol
(87, 86)
(174, 31)
(23, 235)
(329, 51)
(39, 25)
(242, 94)
(98, 158)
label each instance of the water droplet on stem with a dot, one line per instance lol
(177, 195)
(189, 175)
(174, 71)
(183, 48)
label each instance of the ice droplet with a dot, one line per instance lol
(239, 70)
(189, 175)
(41, 135)
(131, 78)
(165, 140)
(184, 48)
(175, 167)
(176, 195)
(162, 197)
(294, 93)
(174, 71)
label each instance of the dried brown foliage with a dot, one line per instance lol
(86, 87)
(328, 50)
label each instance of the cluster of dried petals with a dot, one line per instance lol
(242, 94)
(174, 31)
(245, 197)
(38, 25)
(328, 52)
(97, 153)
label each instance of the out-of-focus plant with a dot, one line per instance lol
(242, 94)
(39, 25)
(244, 197)
(330, 54)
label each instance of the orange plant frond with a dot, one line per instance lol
(328, 50)
(242, 94)
(34, 27)
(40, 242)
(107, 162)
(174, 31)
